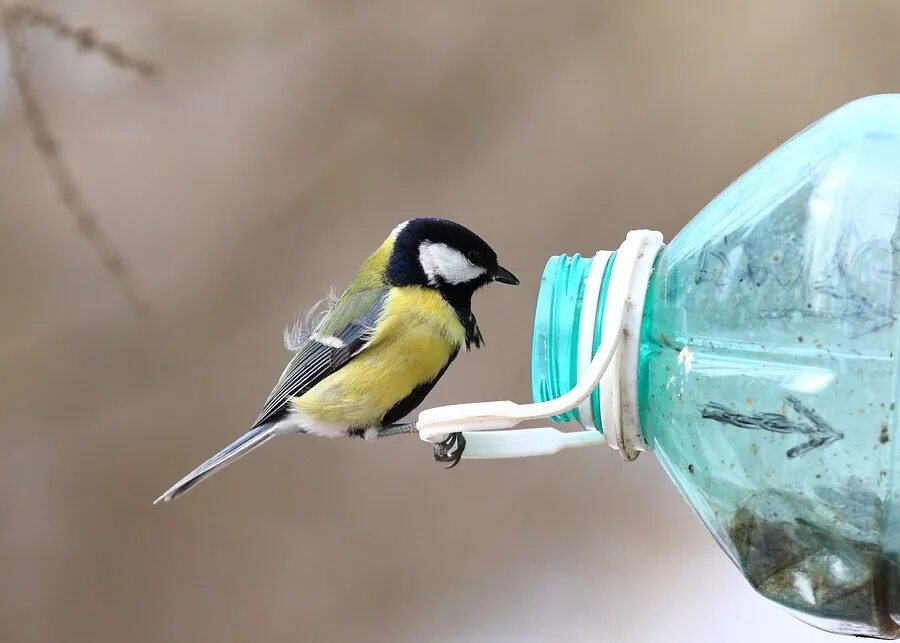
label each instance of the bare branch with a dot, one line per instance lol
(86, 220)
(85, 38)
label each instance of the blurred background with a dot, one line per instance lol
(280, 142)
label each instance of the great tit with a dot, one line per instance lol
(381, 347)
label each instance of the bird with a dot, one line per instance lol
(380, 348)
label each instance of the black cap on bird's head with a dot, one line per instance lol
(450, 258)
(441, 254)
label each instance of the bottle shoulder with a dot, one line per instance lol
(803, 244)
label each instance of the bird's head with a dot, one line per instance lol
(441, 254)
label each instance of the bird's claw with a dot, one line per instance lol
(450, 450)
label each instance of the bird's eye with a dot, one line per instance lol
(474, 256)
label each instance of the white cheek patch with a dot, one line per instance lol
(440, 261)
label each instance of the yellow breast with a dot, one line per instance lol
(415, 337)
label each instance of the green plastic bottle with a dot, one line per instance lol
(767, 367)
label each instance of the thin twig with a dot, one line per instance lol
(85, 38)
(86, 220)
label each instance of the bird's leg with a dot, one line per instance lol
(396, 429)
(450, 450)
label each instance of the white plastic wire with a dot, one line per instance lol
(624, 305)
(593, 285)
(618, 385)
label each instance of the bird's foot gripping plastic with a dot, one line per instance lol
(451, 450)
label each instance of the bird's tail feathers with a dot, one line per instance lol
(255, 437)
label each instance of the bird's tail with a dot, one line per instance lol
(253, 438)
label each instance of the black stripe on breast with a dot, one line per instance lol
(406, 406)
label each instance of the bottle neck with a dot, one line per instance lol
(576, 295)
(566, 324)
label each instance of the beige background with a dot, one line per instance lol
(283, 141)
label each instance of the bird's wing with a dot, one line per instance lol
(341, 335)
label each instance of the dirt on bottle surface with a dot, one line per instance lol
(820, 557)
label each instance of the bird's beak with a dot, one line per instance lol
(504, 276)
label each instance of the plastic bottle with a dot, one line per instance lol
(767, 367)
